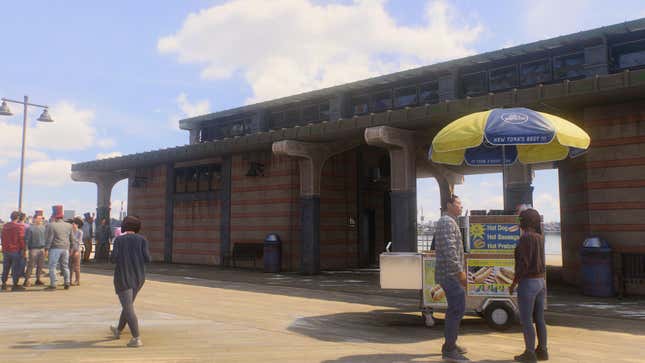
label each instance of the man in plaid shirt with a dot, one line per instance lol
(450, 274)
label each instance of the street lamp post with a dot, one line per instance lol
(44, 117)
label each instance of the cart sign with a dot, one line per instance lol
(494, 237)
(433, 294)
(490, 277)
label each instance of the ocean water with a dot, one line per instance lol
(552, 244)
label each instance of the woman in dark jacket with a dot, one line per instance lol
(130, 254)
(531, 293)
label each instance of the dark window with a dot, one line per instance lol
(310, 113)
(381, 101)
(291, 117)
(429, 93)
(180, 180)
(197, 178)
(323, 112)
(629, 55)
(569, 66)
(238, 128)
(474, 84)
(359, 105)
(535, 72)
(276, 120)
(204, 135)
(204, 178)
(503, 78)
(192, 178)
(405, 97)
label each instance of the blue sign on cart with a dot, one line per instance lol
(494, 237)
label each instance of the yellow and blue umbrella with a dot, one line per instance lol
(501, 136)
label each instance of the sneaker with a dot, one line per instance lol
(460, 349)
(116, 334)
(454, 357)
(50, 288)
(17, 288)
(526, 357)
(135, 343)
(67, 287)
(542, 353)
(39, 283)
(5, 287)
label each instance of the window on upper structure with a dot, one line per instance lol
(276, 120)
(569, 66)
(238, 128)
(204, 178)
(474, 84)
(180, 180)
(536, 72)
(629, 55)
(406, 96)
(323, 111)
(429, 93)
(502, 78)
(359, 105)
(310, 113)
(291, 117)
(381, 101)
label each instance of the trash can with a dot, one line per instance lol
(272, 253)
(595, 258)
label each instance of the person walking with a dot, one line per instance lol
(35, 241)
(531, 286)
(75, 251)
(103, 237)
(130, 254)
(88, 234)
(450, 274)
(58, 239)
(13, 251)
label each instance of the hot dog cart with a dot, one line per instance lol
(489, 243)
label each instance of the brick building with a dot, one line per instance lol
(333, 171)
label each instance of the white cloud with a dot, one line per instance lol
(192, 109)
(112, 154)
(49, 173)
(188, 109)
(548, 205)
(288, 46)
(72, 129)
(105, 143)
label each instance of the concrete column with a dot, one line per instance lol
(311, 159)
(104, 181)
(403, 183)
(517, 186)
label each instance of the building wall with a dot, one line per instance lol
(266, 204)
(196, 232)
(148, 201)
(338, 212)
(603, 192)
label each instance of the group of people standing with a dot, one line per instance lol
(529, 281)
(27, 245)
(61, 242)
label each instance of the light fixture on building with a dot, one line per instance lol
(255, 169)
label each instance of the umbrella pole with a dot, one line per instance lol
(504, 194)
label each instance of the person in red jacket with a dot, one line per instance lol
(13, 251)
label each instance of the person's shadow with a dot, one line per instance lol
(399, 358)
(66, 344)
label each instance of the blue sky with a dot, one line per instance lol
(120, 74)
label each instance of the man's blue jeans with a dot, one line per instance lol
(56, 255)
(13, 261)
(531, 295)
(456, 296)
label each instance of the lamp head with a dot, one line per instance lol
(45, 117)
(4, 109)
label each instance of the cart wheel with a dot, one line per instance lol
(428, 319)
(499, 315)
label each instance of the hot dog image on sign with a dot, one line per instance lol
(490, 277)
